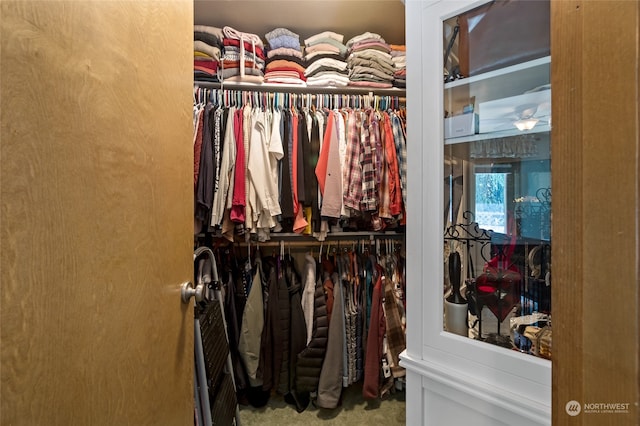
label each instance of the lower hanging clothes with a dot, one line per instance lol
(347, 345)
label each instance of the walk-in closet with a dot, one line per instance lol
(122, 284)
(300, 190)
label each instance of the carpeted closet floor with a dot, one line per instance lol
(354, 411)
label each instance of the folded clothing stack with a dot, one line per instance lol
(370, 62)
(325, 61)
(284, 58)
(399, 58)
(243, 59)
(207, 48)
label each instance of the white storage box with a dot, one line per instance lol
(460, 125)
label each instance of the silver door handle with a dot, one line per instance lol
(187, 291)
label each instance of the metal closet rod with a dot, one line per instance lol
(283, 88)
(301, 99)
(396, 238)
(334, 243)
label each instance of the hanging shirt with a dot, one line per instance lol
(332, 195)
(227, 167)
(197, 145)
(353, 162)
(302, 142)
(252, 208)
(251, 330)
(394, 327)
(323, 159)
(330, 383)
(312, 151)
(246, 127)
(294, 160)
(204, 192)
(300, 223)
(308, 293)
(369, 174)
(376, 140)
(322, 121)
(401, 153)
(286, 192)
(276, 151)
(395, 188)
(238, 203)
(263, 193)
(342, 155)
(373, 357)
(384, 186)
(217, 149)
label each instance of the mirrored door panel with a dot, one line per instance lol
(497, 176)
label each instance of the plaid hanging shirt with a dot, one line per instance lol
(370, 140)
(353, 163)
(401, 153)
(384, 193)
(391, 161)
(394, 331)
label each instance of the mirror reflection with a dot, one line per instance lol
(497, 177)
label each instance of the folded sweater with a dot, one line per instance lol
(209, 29)
(364, 36)
(330, 34)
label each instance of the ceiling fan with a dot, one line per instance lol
(523, 112)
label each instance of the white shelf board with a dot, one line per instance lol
(507, 133)
(506, 82)
(496, 73)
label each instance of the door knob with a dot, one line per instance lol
(187, 291)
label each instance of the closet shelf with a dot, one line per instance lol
(544, 128)
(293, 88)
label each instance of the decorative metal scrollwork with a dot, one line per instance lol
(469, 233)
(468, 229)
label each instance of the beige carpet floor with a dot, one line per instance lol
(354, 411)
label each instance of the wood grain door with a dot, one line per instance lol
(596, 204)
(96, 212)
